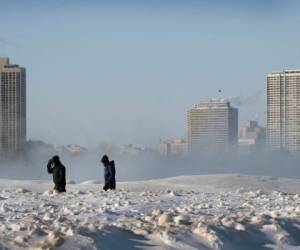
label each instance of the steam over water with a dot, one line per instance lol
(151, 166)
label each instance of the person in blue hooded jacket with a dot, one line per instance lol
(109, 173)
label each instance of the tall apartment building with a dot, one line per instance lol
(12, 108)
(283, 110)
(212, 127)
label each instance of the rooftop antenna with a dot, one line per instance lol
(220, 94)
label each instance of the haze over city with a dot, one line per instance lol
(126, 72)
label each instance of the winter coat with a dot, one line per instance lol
(110, 176)
(59, 175)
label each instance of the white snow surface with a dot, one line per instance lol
(187, 212)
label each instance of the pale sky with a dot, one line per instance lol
(127, 71)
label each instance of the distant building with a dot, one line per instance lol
(75, 149)
(252, 137)
(212, 127)
(179, 147)
(131, 150)
(71, 149)
(283, 114)
(12, 108)
(164, 148)
(172, 147)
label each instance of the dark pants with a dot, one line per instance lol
(61, 188)
(110, 185)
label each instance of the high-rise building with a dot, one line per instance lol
(283, 112)
(12, 108)
(212, 127)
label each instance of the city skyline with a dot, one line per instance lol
(140, 66)
(282, 124)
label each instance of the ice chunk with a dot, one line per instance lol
(164, 219)
(182, 220)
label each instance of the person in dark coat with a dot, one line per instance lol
(109, 173)
(58, 170)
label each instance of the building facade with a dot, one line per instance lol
(12, 108)
(283, 112)
(212, 127)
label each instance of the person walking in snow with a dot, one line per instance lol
(109, 173)
(58, 170)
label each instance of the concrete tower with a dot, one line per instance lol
(283, 110)
(12, 108)
(212, 127)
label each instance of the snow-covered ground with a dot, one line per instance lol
(188, 212)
